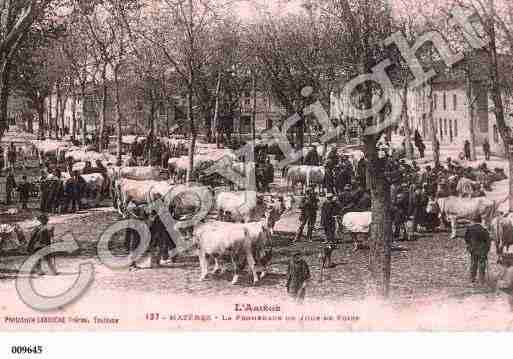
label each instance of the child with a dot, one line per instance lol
(298, 274)
(40, 238)
(24, 191)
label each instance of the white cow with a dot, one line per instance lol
(234, 239)
(140, 173)
(454, 208)
(243, 206)
(355, 223)
(306, 175)
(141, 192)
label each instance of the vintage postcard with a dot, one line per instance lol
(314, 165)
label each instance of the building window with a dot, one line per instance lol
(445, 126)
(455, 128)
(445, 103)
(247, 102)
(455, 102)
(495, 134)
(435, 101)
(441, 128)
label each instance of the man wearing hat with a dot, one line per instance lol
(478, 243)
(309, 206)
(40, 238)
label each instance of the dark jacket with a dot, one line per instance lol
(309, 206)
(328, 212)
(10, 182)
(160, 235)
(364, 203)
(24, 190)
(297, 273)
(40, 237)
(477, 240)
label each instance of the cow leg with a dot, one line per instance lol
(454, 223)
(354, 236)
(252, 264)
(203, 265)
(235, 265)
(216, 265)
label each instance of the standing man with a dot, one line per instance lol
(11, 156)
(478, 242)
(328, 222)
(309, 207)
(466, 150)
(298, 275)
(40, 238)
(24, 191)
(486, 149)
(10, 186)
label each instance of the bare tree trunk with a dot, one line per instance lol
(57, 108)
(471, 111)
(406, 121)
(103, 117)
(41, 118)
(434, 136)
(118, 116)
(4, 95)
(504, 131)
(83, 116)
(254, 107)
(214, 124)
(73, 126)
(192, 144)
(381, 229)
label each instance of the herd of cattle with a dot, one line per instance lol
(240, 224)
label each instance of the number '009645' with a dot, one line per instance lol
(27, 349)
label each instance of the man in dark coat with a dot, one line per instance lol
(10, 186)
(268, 174)
(161, 241)
(478, 241)
(362, 172)
(309, 207)
(329, 210)
(24, 190)
(486, 149)
(420, 201)
(41, 237)
(298, 273)
(466, 150)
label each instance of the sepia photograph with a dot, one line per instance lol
(255, 166)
